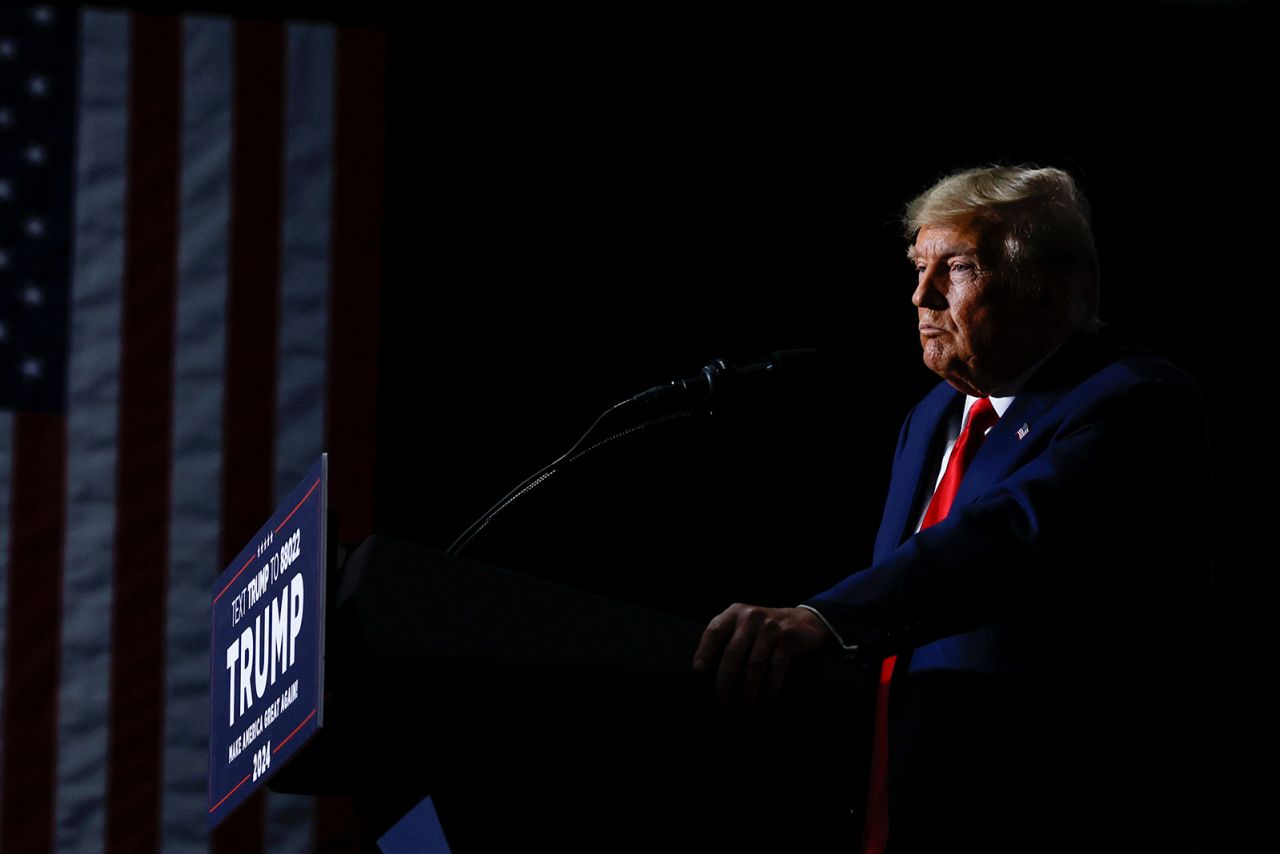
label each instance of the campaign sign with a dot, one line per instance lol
(266, 676)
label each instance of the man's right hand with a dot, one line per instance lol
(754, 646)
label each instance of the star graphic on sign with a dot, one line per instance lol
(35, 154)
(38, 86)
(32, 295)
(34, 227)
(42, 15)
(8, 48)
(31, 368)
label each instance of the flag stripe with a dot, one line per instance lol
(351, 403)
(34, 622)
(252, 323)
(93, 388)
(254, 286)
(357, 277)
(6, 479)
(197, 424)
(304, 287)
(304, 312)
(146, 401)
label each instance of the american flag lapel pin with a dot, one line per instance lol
(1023, 430)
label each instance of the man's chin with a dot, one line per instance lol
(960, 380)
(963, 383)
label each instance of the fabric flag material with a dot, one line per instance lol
(187, 206)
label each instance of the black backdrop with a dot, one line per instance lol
(583, 207)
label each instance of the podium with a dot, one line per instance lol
(540, 715)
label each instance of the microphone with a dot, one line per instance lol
(719, 377)
(716, 378)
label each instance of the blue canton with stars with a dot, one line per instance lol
(37, 136)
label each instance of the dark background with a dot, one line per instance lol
(587, 205)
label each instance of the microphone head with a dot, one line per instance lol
(719, 378)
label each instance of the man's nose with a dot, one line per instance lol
(927, 293)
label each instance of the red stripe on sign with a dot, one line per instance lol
(253, 309)
(234, 789)
(356, 259)
(233, 580)
(276, 749)
(134, 742)
(296, 506)
(34, 627)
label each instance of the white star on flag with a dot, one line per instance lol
(31, 368)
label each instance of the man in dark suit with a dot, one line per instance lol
(1042, 563)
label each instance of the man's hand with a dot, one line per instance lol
(755, 646)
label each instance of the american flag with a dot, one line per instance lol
(188, 207)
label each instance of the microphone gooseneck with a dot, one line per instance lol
(677, 398)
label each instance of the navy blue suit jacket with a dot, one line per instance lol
(1051, 630)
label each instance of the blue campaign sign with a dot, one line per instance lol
(266, 674)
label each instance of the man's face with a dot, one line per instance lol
(977, 333)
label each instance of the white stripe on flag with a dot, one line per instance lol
(6, 480)
(200, 335)
(304, 286)
(93, 382)
(304, 292)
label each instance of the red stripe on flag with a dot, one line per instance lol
(360, 144)
(35, 620)
(352, 399)
(134, 742)
(253, 308)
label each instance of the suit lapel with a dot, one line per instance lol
(1024, 428)
(1004, 448)
(917, 461)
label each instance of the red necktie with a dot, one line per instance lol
(876, 831)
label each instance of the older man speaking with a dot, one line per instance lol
(1035, 604)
